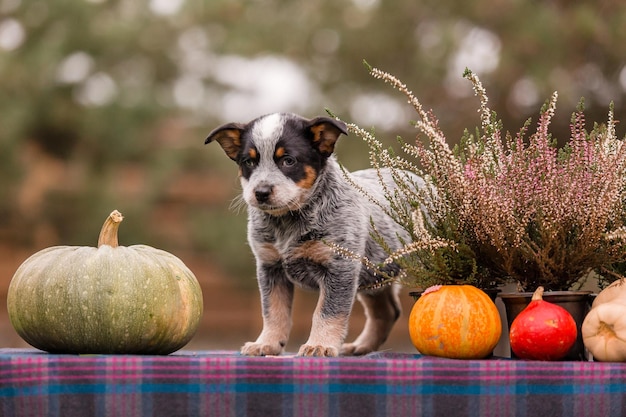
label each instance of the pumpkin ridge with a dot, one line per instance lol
(437, 318)
(466, 315)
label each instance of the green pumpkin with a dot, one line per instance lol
(109, 299)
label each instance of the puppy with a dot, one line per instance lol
(299, 201)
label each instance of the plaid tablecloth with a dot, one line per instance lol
(33, 383)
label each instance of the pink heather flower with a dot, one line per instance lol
(469, 172)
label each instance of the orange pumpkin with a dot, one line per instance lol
(455, 321)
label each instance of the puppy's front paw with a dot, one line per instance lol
(318, 350)
(261, 349)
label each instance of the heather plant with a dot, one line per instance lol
(435, 251)
(501, 206)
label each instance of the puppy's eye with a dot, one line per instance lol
(248, 162)
(288, 161)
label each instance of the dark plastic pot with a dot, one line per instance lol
(491, 292)
(577, 303)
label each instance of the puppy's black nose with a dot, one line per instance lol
(262, 193)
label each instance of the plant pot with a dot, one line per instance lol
(577, 303)
(491, 292)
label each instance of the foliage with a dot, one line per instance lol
(112, 132)
(506, 206)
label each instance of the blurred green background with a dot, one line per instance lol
(105, 104)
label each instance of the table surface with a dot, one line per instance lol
(224, 383)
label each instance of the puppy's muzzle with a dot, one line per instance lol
(263, 193)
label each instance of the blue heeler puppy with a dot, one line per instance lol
(299, 201)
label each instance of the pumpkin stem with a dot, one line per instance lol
(432, 289)
(538, 294)
(108, 233)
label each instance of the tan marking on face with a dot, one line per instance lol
(309, 179)
(268, 254)
(313, 250)
(252, 153)
(280, 152)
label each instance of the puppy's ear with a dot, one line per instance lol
(324, 132)
(229, 138)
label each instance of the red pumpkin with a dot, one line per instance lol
(455, 321)
(542, 331)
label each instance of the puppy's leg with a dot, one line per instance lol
(382, 309)
(330, 320)
(276, 301)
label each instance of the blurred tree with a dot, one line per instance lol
(105, 103)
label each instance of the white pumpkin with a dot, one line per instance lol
(604, 327)
(604, 330)
(617, 290)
